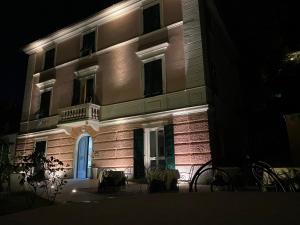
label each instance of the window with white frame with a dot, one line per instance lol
(151, 17)
(49, 59)
(153, 83)
(153, 69)
(46, 89)
(84, 86)
(45, 104)
(88, 45)
(155, 148)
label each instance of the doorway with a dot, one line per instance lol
(84, 158)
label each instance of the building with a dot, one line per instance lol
(123, 89)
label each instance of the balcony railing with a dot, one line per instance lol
(86, 111)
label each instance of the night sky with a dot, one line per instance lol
(262, 33)
(23, 22)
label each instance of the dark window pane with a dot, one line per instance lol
(49, 59)
(88, 44)
(161, 143)
(153, 163)
(153, 144)
(89, 91)
(40, 148)
(76, 92)
(151, 18)
(153, 78)
(45, 104)
(162, 164)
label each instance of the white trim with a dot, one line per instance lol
(150, 116)
(153, 51)
(104, 16)
(163, 72)
(46, 84)
(151, 54)
(87, 71)
(41, 133)
(113, 47)
(131, 119)
(174, 25)
(147, 157)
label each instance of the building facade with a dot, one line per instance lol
(124, 89)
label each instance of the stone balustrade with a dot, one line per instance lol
(86, 111)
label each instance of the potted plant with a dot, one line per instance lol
(111, 181)
(161, 180)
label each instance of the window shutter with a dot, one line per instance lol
(76, 92)
(169, 146)
(139, 170)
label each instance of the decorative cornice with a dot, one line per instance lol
(153, 51)
(87, 71)
(41, 133)
(104, 16)
(46, 84)
(113, 47)
(151, 116)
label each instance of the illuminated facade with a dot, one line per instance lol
(123, 89)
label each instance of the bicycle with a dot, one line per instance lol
(218, 179)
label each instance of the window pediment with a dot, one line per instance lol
(86, 72)
(152, 51)
(46, 84)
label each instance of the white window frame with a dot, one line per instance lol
(147, 158)
(148, 4)
(83, 75)
(151, 54)
(44, 87)
(96, 40)
(48, 48)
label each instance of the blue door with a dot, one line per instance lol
(82, 160)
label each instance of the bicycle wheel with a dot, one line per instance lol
(267, 179)
(213, 178)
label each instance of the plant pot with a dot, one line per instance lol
(157, 186)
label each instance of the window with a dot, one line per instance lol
(45, 104)
(157, 148)
(153, 148)
(153, 84)
(39, 153)
(88, 44)
(49, 59)
(83, 91)
(151, 18)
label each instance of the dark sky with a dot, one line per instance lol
(260, 29)
(21, 23)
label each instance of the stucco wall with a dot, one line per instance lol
(113, 145)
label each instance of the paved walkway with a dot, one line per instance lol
(229, 208)
(86, 191)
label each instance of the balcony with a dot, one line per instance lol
(86, 111)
